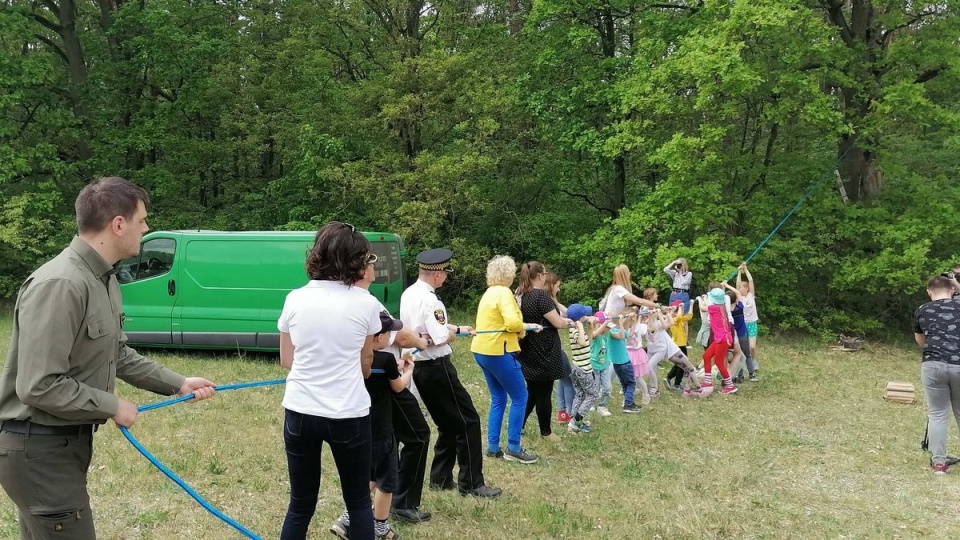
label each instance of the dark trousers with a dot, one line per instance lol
(540, 396)
(413, 437)
(458, 424)
(46, 477)
(349, 440)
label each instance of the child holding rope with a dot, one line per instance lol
(722, 337)
(679, 334)
(585, 382)
(661, 346)
(748, 294)
(620, 359)
(600, 363)
(638, 357)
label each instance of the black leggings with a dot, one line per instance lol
(540, 395)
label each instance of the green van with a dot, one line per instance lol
(225, 290)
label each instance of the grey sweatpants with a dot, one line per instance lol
(586, 386)
(744, 342)
(941, 383)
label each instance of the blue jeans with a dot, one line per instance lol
(627, 380)
(565, 395)
(504, 379)
(349, 440)
(683, 297)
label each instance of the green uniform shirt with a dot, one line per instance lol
(68, 347)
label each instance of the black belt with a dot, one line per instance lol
(432, 361)
(681, 290)
(29, 428)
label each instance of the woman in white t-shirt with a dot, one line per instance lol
(326, 340)
(618, 296)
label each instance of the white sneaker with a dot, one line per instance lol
(645, 400)
(604, 411)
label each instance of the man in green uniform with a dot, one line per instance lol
(66, 351)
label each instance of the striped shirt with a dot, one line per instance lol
(581, 353)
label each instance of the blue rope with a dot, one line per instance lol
(176, 479)
(826, 174)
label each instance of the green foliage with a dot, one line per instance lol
(582, 133)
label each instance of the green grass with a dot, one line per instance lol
(812, 451)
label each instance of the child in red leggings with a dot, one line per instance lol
(722, 339)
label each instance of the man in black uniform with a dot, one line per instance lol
(449, 404)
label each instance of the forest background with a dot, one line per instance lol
(582, 133)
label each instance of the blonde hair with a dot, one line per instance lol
(501, 270)
(621, 276)
(529, 272)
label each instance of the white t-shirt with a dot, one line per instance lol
(614, 303)
(750, 308)
(659, 341)
(328, 323)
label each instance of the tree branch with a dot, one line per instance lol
(585, 198)
(47, 23)
(835, 15)
(888, 34)
(929, 74)
(56, 48)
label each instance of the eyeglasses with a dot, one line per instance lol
(370, 258)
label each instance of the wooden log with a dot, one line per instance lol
(900, 392)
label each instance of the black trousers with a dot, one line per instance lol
(540, 395)
(676, 372)
(412, 433)
(458, 424)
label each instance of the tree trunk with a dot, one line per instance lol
(862, 177)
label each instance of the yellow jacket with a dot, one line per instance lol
(679, 329)
(498, 310)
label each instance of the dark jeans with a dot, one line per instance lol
(349, 440)
(627, 381)
(458, 424)
(413, 436)
(540, 395)
(675, 377)
(46, 477)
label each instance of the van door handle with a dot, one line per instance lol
(172, 287)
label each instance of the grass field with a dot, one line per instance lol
(811, 451)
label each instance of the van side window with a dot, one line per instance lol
(155, 259)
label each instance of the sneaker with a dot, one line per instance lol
(671, 386)
(655, 393)
(563, 417)
(389, 534)
(573, 426)
(340, 529)
(521, 457)
(604, 411)
(631, 408)
(754, 378)
(645, 400)
(940, 469)
(553, 437)
(585, 427)
(496, 455)
(728, 390)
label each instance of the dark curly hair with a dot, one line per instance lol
(339, 253)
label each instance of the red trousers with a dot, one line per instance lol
(717, 353)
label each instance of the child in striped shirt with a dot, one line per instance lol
(585, 380)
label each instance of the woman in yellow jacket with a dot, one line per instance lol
(499, 329)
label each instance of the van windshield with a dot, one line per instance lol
(388, 263)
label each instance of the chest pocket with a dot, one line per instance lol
(98, 328)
